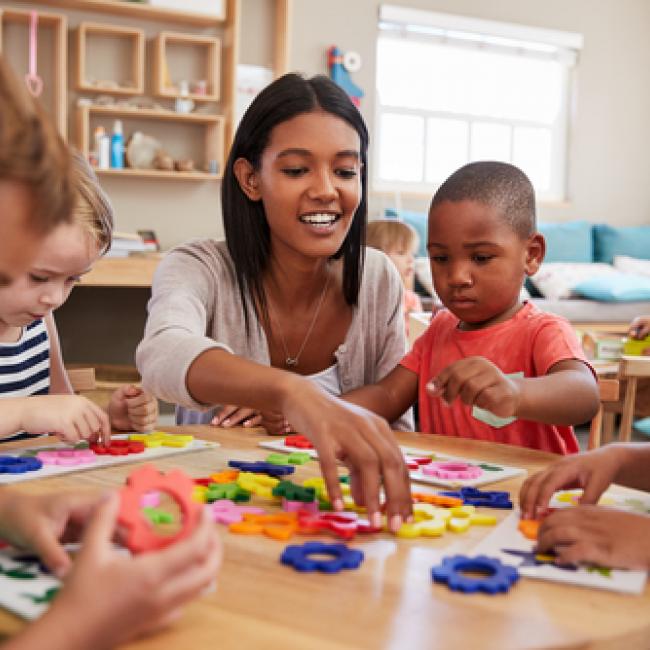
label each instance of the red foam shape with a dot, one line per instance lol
(119, 448)
(296, 440)
(141, 535)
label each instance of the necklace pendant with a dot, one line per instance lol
(291, 362)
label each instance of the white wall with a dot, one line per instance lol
(607, 172)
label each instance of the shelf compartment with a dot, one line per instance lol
(187, 57)
(52, 62)
(115, 59)
(210, 142)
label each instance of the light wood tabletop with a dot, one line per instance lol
(390, 602)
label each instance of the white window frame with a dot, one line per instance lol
(422, 25)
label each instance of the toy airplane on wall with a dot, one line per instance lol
(340, 65)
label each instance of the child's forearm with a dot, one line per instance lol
(375, 398)
(12, 411)
(566, 397)
(634, 462)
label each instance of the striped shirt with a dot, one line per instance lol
(25, 365)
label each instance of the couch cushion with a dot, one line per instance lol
(556, 280)
(633, 241)
(631, 265)
(568, 242)
(615, 287)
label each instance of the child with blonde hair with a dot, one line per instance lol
(35, 392)
(399, 241)
(489, 366)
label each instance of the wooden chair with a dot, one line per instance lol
(609, 393)
(82, 379)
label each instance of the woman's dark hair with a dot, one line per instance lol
(246, 228)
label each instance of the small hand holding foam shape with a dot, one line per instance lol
(132, 409)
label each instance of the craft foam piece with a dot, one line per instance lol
(276, 459)
(227, 476)
(226, 512)
(300, 506)
(485, 498)
(342, 557)
(162, 439)
(451, 572)
(529, 528)
(299, 458)
(150, 500)
(231, 491)
(118, 448)
(282, 525)
(157, 516)
(19, 464)
(67, 456)
(452, 470)
(437, 499)
(345, 525)
(301, 442)
(260, 467)
(258, 484)
(141, 536)
(293, 492)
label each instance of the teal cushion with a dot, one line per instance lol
(568, 242)
(418, 221)
(615, 287)
(643, 426)
(633, 241)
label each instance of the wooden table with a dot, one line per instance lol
(390, 602)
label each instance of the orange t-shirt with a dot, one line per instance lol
(412, 302)
(531, 342)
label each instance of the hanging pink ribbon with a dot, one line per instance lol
(33, 81)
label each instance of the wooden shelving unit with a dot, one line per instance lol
(210, 49)
(57, 58)
(135, 37)
(142, 11)
(213, 140)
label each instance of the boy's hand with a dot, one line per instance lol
(608, 538)
(123, 596)
(363, 441)
(275, 424)
(639, 327)
(229, 415)
(593, 471)
(41, 523)
(70, 417)
(132, 409)
(478, 382)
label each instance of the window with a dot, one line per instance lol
(452, 89)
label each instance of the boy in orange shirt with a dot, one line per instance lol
(490, 366)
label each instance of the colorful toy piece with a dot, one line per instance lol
(636, 347)
(230, 491)
(281, 525)
(260, 467)
(227, 476)
(344, 525)
(442, 499)
(342, 557)
(162, 439)
(67, 456)
(453, 470)
(300, 506)
(118, 448)
(340, 68)
(19, 464)
(141, 536)
(293, 492)
(258, 484)
(500, 577)
(226, 512)
(529, 528)
(301, 442)
(482, 498)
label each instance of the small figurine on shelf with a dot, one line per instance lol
(163, 161)
(185, 165)
(183, 103)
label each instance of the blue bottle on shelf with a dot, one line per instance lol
(117, 146)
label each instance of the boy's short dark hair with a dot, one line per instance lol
(497, 184)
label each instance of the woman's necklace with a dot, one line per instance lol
(292, 362)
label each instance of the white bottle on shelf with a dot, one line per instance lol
(102, 147)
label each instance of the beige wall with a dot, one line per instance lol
(608, 170)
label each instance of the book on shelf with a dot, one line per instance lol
(126, 243)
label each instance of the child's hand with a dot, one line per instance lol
(275, 424)
(132, 409)
(477, 382)
(639, 327)
(235, 416)
(41, 523)
(71, 417)
(593, 471)
(363, 441)
(123, 597)
(608, 538)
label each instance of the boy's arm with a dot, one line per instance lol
(390, 397)
(566, 395)
(59, 381)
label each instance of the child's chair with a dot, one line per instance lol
(609, 390)
(82, 379)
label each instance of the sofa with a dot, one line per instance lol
(592, 273)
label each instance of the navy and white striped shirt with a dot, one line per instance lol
(25, 365)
